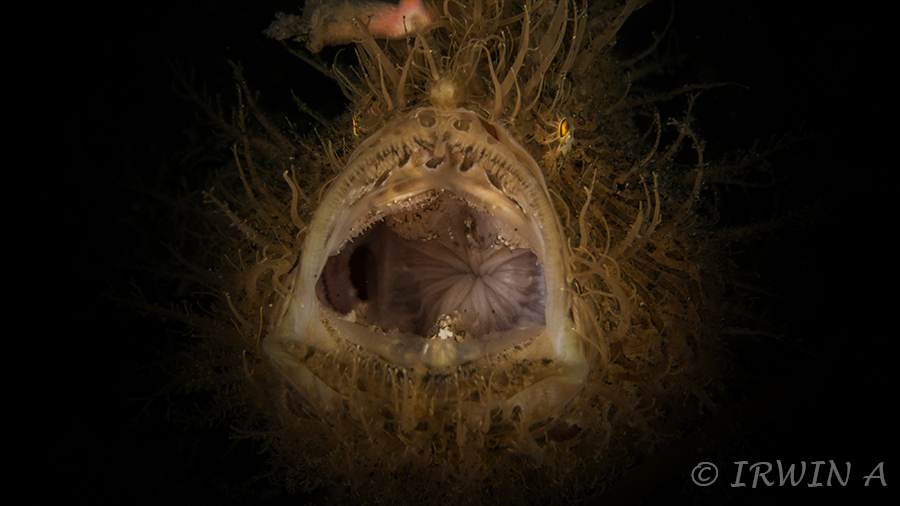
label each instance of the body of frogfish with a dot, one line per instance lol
(492, 297)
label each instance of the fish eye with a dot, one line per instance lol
(563, 129)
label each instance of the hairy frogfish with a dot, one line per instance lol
(488, 281)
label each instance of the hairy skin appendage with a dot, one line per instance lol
(506, 271)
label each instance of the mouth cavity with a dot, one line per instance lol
(433, 262)
(439, 269)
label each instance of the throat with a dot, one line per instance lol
(441, 270)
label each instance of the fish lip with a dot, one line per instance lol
(508, 183)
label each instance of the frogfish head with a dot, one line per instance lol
(499, 282)
(437, 252)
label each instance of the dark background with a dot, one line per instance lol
(805, 70)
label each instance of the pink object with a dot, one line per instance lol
(337, 23)
(397, 21)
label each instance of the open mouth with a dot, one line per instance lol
(442, 260)
(437, 247)
(439, 269)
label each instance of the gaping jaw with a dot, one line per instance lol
(437, 249)
(439, 269)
